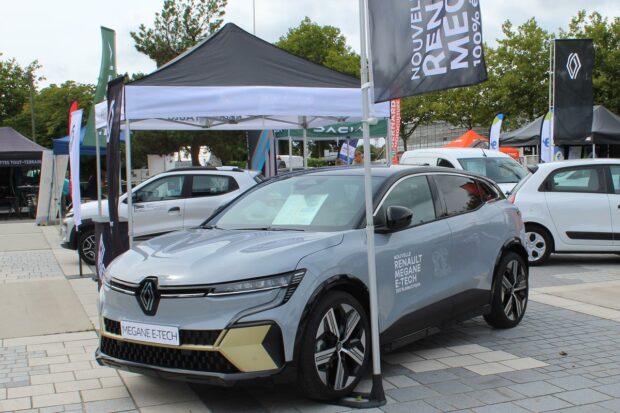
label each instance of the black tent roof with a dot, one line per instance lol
(605, 130)
(16, 148)
(234, 57)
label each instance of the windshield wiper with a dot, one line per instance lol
(268, 229)
(209, 226)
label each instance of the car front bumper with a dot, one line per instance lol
(67, 235)
(240, 353)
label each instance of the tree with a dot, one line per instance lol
(324, 45)
(181, 24)
(15, 87)
(52, 110)
(606, 38)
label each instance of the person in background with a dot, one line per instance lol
(359, 158)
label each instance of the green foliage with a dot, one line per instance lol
(180, 25)
(238, 164)
(15, 87)
(605, 35)
(324, 45)
(316, 162)
(52, 111)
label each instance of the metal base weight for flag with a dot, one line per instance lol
(376, 397)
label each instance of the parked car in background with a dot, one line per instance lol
(498, 166)
(571, 206)
(173, 200)
(279, 279)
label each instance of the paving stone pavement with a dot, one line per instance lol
(24, 265)
(563, 357)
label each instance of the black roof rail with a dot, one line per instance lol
(206, 168)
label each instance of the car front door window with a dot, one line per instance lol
(170, 187)
(413, 193)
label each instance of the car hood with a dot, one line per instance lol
(201, 256)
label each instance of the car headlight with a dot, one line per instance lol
(290, 281)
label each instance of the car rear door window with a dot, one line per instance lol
(588, 180)
(460, 193)
(615, 178)
(487, 192)
(413, 193)
(210, 185)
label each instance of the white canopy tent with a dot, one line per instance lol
(236, 81)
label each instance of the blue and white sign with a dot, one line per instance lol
(347, 152)
(496, 129)
(546, 138)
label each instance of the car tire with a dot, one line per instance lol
(509, 293)
(335, 347)
(87, 246)
(538, 243)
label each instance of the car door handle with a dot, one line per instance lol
(137, 206)
(175, 209)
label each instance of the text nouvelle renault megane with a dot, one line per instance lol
(276, 282)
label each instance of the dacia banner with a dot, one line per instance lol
(574, 61)
(115, 102)
(496, 130)
(420, 46)
(74, 162)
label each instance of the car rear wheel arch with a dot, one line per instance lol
(544, 231)
(513, 245)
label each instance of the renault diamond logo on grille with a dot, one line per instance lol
(148, 296)
(573, 65)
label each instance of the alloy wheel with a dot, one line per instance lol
(536, 246)
(514, 290)
(88, 247)
(340, 346)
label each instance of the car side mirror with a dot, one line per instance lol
(398, 217)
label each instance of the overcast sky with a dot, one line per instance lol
(64, 35)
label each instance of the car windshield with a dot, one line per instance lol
(308, 202)
(500, 170)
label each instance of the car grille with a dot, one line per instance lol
(208, 361)
(193, 337)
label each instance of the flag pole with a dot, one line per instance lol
(376, 397)
(128, 175)
(98, 156)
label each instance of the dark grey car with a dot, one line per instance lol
(278, 279)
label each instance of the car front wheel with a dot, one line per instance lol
(510, 292)
(538, 243)
(87, 245)
(335, 347)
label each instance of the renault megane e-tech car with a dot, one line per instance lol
(277, 281)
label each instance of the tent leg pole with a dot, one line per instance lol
(98, 155)
(593, 151)
(128, 175)
(290, 153)
(305, 145)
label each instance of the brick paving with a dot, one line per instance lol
(563, 357)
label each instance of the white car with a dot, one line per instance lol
(570, 207)
(176, 199)
(495, 165)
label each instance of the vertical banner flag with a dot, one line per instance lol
(546, 138)
(107, 72)
(115, 103)
(74, 160)
(574, 61)
(347, 151)
(261, 154)
(420, 46)
(496, 130)
(395, 128)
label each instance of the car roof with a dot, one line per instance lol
(577, 162)
(394, 171)
(458, 152)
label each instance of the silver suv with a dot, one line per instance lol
(277, 281)
(173, 200)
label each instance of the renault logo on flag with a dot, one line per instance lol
(573, 65)
(148, 296)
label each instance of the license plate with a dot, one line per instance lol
(150, 333)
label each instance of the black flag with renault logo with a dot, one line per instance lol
(421, 46)
(573, 100)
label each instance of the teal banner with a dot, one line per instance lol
(107, 72)
(336, 131)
